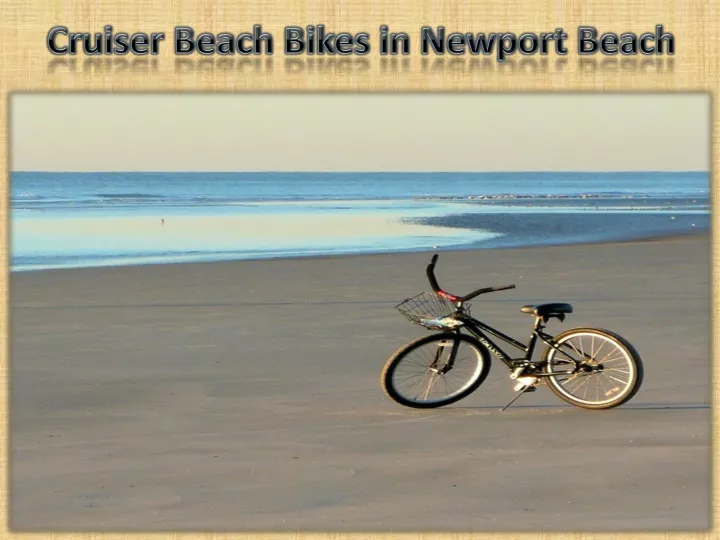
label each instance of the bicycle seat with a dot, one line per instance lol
(547, 310)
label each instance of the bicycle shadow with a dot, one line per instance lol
(628, 407)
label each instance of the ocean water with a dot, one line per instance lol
(101, 219)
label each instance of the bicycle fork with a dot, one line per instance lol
(438, 371)
(449, 362)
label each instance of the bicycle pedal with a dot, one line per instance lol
(520, 387)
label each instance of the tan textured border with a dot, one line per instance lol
(26, 65)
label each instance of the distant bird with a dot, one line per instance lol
(162, 221)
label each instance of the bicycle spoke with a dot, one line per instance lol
(616, 379)
(430, 385)
(600, 385)
(414, 394)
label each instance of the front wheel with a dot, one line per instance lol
(435, 370)
(607, 374)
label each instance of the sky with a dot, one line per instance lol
(360, 132)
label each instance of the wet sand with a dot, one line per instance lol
(246, 396)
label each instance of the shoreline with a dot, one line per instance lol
(464, 248)
(121, 220)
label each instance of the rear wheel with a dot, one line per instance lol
(611, 370)
(435, 371)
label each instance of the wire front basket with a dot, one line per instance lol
(430, 310)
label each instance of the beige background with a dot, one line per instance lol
(26, 65)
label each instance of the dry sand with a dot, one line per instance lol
(246, 396)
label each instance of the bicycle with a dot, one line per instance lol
(566, 365)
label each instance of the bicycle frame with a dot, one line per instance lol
(478, 328)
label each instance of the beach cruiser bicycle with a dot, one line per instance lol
(587, 367)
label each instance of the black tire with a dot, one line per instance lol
(632, 357)
(477, 378)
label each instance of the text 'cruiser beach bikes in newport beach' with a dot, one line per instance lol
(587, 367)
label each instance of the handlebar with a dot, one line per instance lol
(453, 298)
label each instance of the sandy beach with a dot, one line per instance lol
(246, 396)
